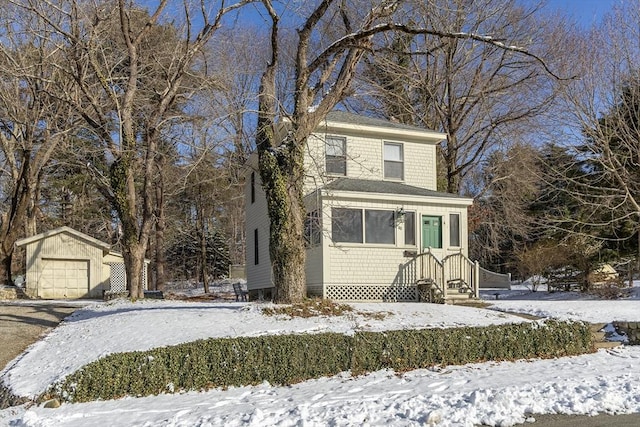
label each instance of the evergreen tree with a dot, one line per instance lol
(186, 257)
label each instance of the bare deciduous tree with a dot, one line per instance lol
(481, 95)
(132, 70)
(32, 123)
(602, 127)
(500, 219)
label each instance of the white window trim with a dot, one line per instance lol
(384, 171)
(451, 245)
(344, 149)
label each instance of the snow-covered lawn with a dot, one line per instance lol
(490, 393)
(565, 305)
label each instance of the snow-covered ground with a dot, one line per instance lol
(489, 393)
(565, 305)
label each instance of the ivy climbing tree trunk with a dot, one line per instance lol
(281, 158)
(278, 171)
(279, 165)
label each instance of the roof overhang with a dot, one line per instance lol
(396, 198)
(413, 135)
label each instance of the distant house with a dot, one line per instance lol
(66, 264)
(376, 228)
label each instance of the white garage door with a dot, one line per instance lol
(63, 278)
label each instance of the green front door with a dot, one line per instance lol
(431, 232)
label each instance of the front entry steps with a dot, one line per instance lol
(458, 292)
(428, 291)
(450, 280)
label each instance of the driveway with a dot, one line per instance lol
(631, 420)
(24, 322)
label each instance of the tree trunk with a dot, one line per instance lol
(134, 263)
(451, 159)
(135, 230)
(14, 220)
(287, 251)
(204, 273)
(161, 256)
(282, 173)
(203, 259)
(7, 258)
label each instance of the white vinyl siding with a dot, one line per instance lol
(257, 244)
(365, 160)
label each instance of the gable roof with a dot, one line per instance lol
(66, 230)
(357, 119)
(343, 121)
(385, 187)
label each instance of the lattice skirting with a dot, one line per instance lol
(370, 293)
(118, 278)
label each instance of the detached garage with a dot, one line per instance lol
(67, 264)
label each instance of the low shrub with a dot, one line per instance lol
(309, 308)
(288, 359)
(610, 290)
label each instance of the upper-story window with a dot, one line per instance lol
(253, 187)
(393, 161)
(336, 155)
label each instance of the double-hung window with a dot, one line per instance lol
(336, 155)
(253, 187)
(393, 161)
(256, 248)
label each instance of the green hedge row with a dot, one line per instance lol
(415, 349)
(287, 359)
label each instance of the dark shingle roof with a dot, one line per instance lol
(383, 187)
(356, 119)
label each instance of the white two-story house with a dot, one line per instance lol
(376, 228)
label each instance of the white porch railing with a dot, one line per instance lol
(455, 277)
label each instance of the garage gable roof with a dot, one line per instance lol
(67, 230)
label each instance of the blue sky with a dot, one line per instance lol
(586, 12)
